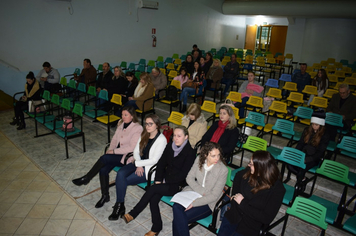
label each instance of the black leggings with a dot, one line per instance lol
(19, 108)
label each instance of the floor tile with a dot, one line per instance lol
(81, 228)
(64, 212)
(50, 198)
(29, 197)
(56, 227)
(18, 210)
(41, 211)
(10, 225)
(32, 226)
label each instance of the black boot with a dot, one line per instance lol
(15, 121)
(92, 172)
(105, 197)
(21, 126)
(184, 109)
(119, 211)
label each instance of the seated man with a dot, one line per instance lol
(88, 74)
(196, 56)
(49, 77)
(231, 73)
(302, 78)
(195, 48)
(343, 103)
(159, 81)
(104, 77)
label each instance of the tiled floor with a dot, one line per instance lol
(37, 196)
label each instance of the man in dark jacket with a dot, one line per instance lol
(231, 73)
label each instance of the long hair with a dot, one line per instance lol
(145, 135)
(185, 70)
(199, 70)
(232, 119)
(317, 137)
(134, 81)
(146, 77)
(266, 172)
(121, 73)
(206, 149)
(195, 110)
(324, 79)
(132, 111)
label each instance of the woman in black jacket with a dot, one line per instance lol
(223, 132)
(256, 197)
(131, 85)
(171, 171)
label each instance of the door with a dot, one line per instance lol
(278, 39)
(250, 39)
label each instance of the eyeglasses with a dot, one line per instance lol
(149, 124)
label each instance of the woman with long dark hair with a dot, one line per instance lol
(131, 86)
(256, 197)
(172, 169)
(147, 152)
(321, 81)
(182, 77)
(206, 177)
(123, 142)
(189, 64)
(32, 92)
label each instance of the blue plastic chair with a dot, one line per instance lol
(286, 78)
(272, 83)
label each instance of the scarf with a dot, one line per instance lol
(30, 90)
(212, 71)
(207, 169)
(219, 131)
(139, 90)
(177, 149)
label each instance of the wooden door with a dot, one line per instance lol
(250, 39)
(278, 39)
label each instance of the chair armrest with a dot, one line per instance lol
(130, 154)
(150, 173)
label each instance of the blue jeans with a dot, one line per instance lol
(241, 107)
(228, 229)
(228, 83)
(182, 218)
(110, 161)
(185, 93)
(126, 176)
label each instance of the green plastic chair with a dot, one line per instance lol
(151, 63)
(91, 97)
(339, 173)
(132, 67)
(159, 58)
(49, 123)
(350, 225)
(253, 144)
(175, 56)
(123, 65)
(284, 127)
(142, 62)
(309, 211)
(257, 120)
(96, 112)
(334, 120)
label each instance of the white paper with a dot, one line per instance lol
(185, 198)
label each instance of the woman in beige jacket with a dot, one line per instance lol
(195, 122)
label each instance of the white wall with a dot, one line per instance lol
(39, 30)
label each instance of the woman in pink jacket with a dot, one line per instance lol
(123, 142)
(182, 77)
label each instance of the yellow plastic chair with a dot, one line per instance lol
(347, 70)
(319, 102)
(234, 96)
(210, 107)
(350, 81)
(311, 90)
(163, 70)
(274, 93)
(316, 66)
(324, 64)
(172, 74)
(296, 99)
(269, 56)
(309, 69)
(177, 61)
(313, 74)
(340, 74)
(331, 60)
(175, 118)
(224, 62)
(278, 109)
(236, 112)
(338, 65)
(142, 112)
(255, 102)
(170, 66)
(290, 86)
(227, 58)
(249, 57)
(337, 85)
(176, 84)
(110, 118)
(353, 75)
(329, 93)
(331, 68)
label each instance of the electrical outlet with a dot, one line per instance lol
(237, 37)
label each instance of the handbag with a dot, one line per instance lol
(189, 84)
(167, 132)
(228, 102)
(32, 106)
(67, 123)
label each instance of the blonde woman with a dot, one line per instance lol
(214, 75)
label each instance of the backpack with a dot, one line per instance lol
(171, 93)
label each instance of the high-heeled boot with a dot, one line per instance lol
(119, 211)
(92, 172)
(15, 121)
(105, 197)
(22, 125)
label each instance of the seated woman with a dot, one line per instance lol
(182, 77)
(223, 132)
(195, 122)
(313, 143)
(159, 81)
(123, 142)
(248, 88)
(32, 92)
(118, 83)
(195, 85)
(189, 64)
(257, 194)
(207, 177)
(172, 169)
(214, 75)
(132, 83)
(143, 91)
(321, 81)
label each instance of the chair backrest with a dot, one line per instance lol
(290, 86)
(236, 112)
(163, 70)
(334, 119)
(82, 87)
(286, 77)
(254, 144)
(168, 60)
(63, 81)
(77, 71)
(228, 178)
(175, 83)
(100, 67)
(284, 126)
(234, 96)
(66, 104)
(117, 99)
(295, 97)
(272, 83)
(175, 118)
(348, 143)
(46, 95)
(149, 69)
(151, 63)
(160, 58)
(55, 99)
(132, 66)
(209, 106)
(78, 109)
(160, 64)
(138, 74)
(172, 73)
(103, 94)
(142, 62)
(170, 66)
(340, 73)
(72, 84)
(330, 92)
(292, 156)
(331, 60)
(350, 81)
(334, 170)
(255, 101)
(309, 211)
(274, 93)
(309, 89)
(319, 102)
(178, 61)
(304, 112)
(123, 64)
(278, 106)
(175, 56)
(92, 90)
(256, 118)
(183, 57)
(141, 68)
